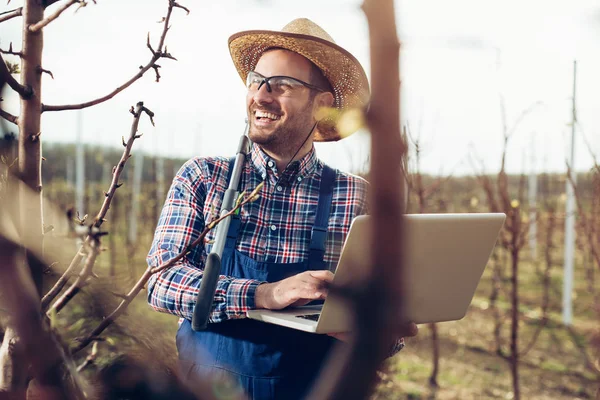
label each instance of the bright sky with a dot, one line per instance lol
(457, 57)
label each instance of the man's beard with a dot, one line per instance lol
(285, 139)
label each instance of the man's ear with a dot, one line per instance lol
(324, 99)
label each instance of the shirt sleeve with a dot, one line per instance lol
(175, 289)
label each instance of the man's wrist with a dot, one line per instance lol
(261, 295)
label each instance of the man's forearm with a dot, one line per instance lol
(175, 291)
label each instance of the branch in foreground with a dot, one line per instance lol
(155, 56)
(109, 195)
(94, 249)
(5, 16)
(25, 91)
(9, 117)
(37, 27)
(40, 346)
(151, 271)
(353, 374)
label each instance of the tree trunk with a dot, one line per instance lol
(12, 366)
(13, 372)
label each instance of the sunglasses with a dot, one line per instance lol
(278, 85)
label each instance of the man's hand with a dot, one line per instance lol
(296, 290)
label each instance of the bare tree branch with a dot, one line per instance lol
(93, 251)
(9, 117)
(11, 52)
(159, 53)
(583, 220)
(45, 71)
(108, 197)
(37, 27)
(25, 91)
(5, 16)
(106, 322)
(90, 359)
(545, 282)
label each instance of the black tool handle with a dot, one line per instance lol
(208, 285)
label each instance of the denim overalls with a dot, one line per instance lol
(267, 361)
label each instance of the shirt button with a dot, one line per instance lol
(279, 188)
(273, 228)
(270, 164)
(264, 176)
(299, 179)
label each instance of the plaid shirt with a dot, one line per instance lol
(276, 228)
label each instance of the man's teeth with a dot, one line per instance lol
(262, 114)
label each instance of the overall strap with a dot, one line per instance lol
(234, 223)
(319, 230)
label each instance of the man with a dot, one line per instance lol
(273, 259)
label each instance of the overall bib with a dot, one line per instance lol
(267, 361)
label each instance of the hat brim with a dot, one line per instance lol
(342, 69)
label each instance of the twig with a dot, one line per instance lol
(25, 91)
(156, 67)
(85, 273)
(38, 26)
(82, 343)
(253, 196)
(583, 220)
(90, 359)
(175, 4)
(42, 70)
(155, 56)
(5, 16)
(11, 52)
(9, 117)
(109, 195)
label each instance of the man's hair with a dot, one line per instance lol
(318, 79)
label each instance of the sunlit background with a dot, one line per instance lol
(459, 58)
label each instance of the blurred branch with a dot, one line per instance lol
(38, 26)
(156, 55)
(377, 304)
(108, 197)
(93, 251)
(9, 117)
(6, 15)
(24, 91)
(106, 322)
(37, 343)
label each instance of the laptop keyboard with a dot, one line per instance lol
(312, 317)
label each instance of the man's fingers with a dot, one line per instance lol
(409, 329)
(324, 275)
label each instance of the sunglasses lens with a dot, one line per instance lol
(253, 81)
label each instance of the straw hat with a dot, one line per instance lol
(302, 36)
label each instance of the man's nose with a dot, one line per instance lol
(262, 95)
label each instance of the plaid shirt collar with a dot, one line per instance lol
(298, 169)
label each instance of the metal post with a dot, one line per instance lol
(570, 221)
(532, 192)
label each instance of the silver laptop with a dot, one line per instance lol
(446, 255)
